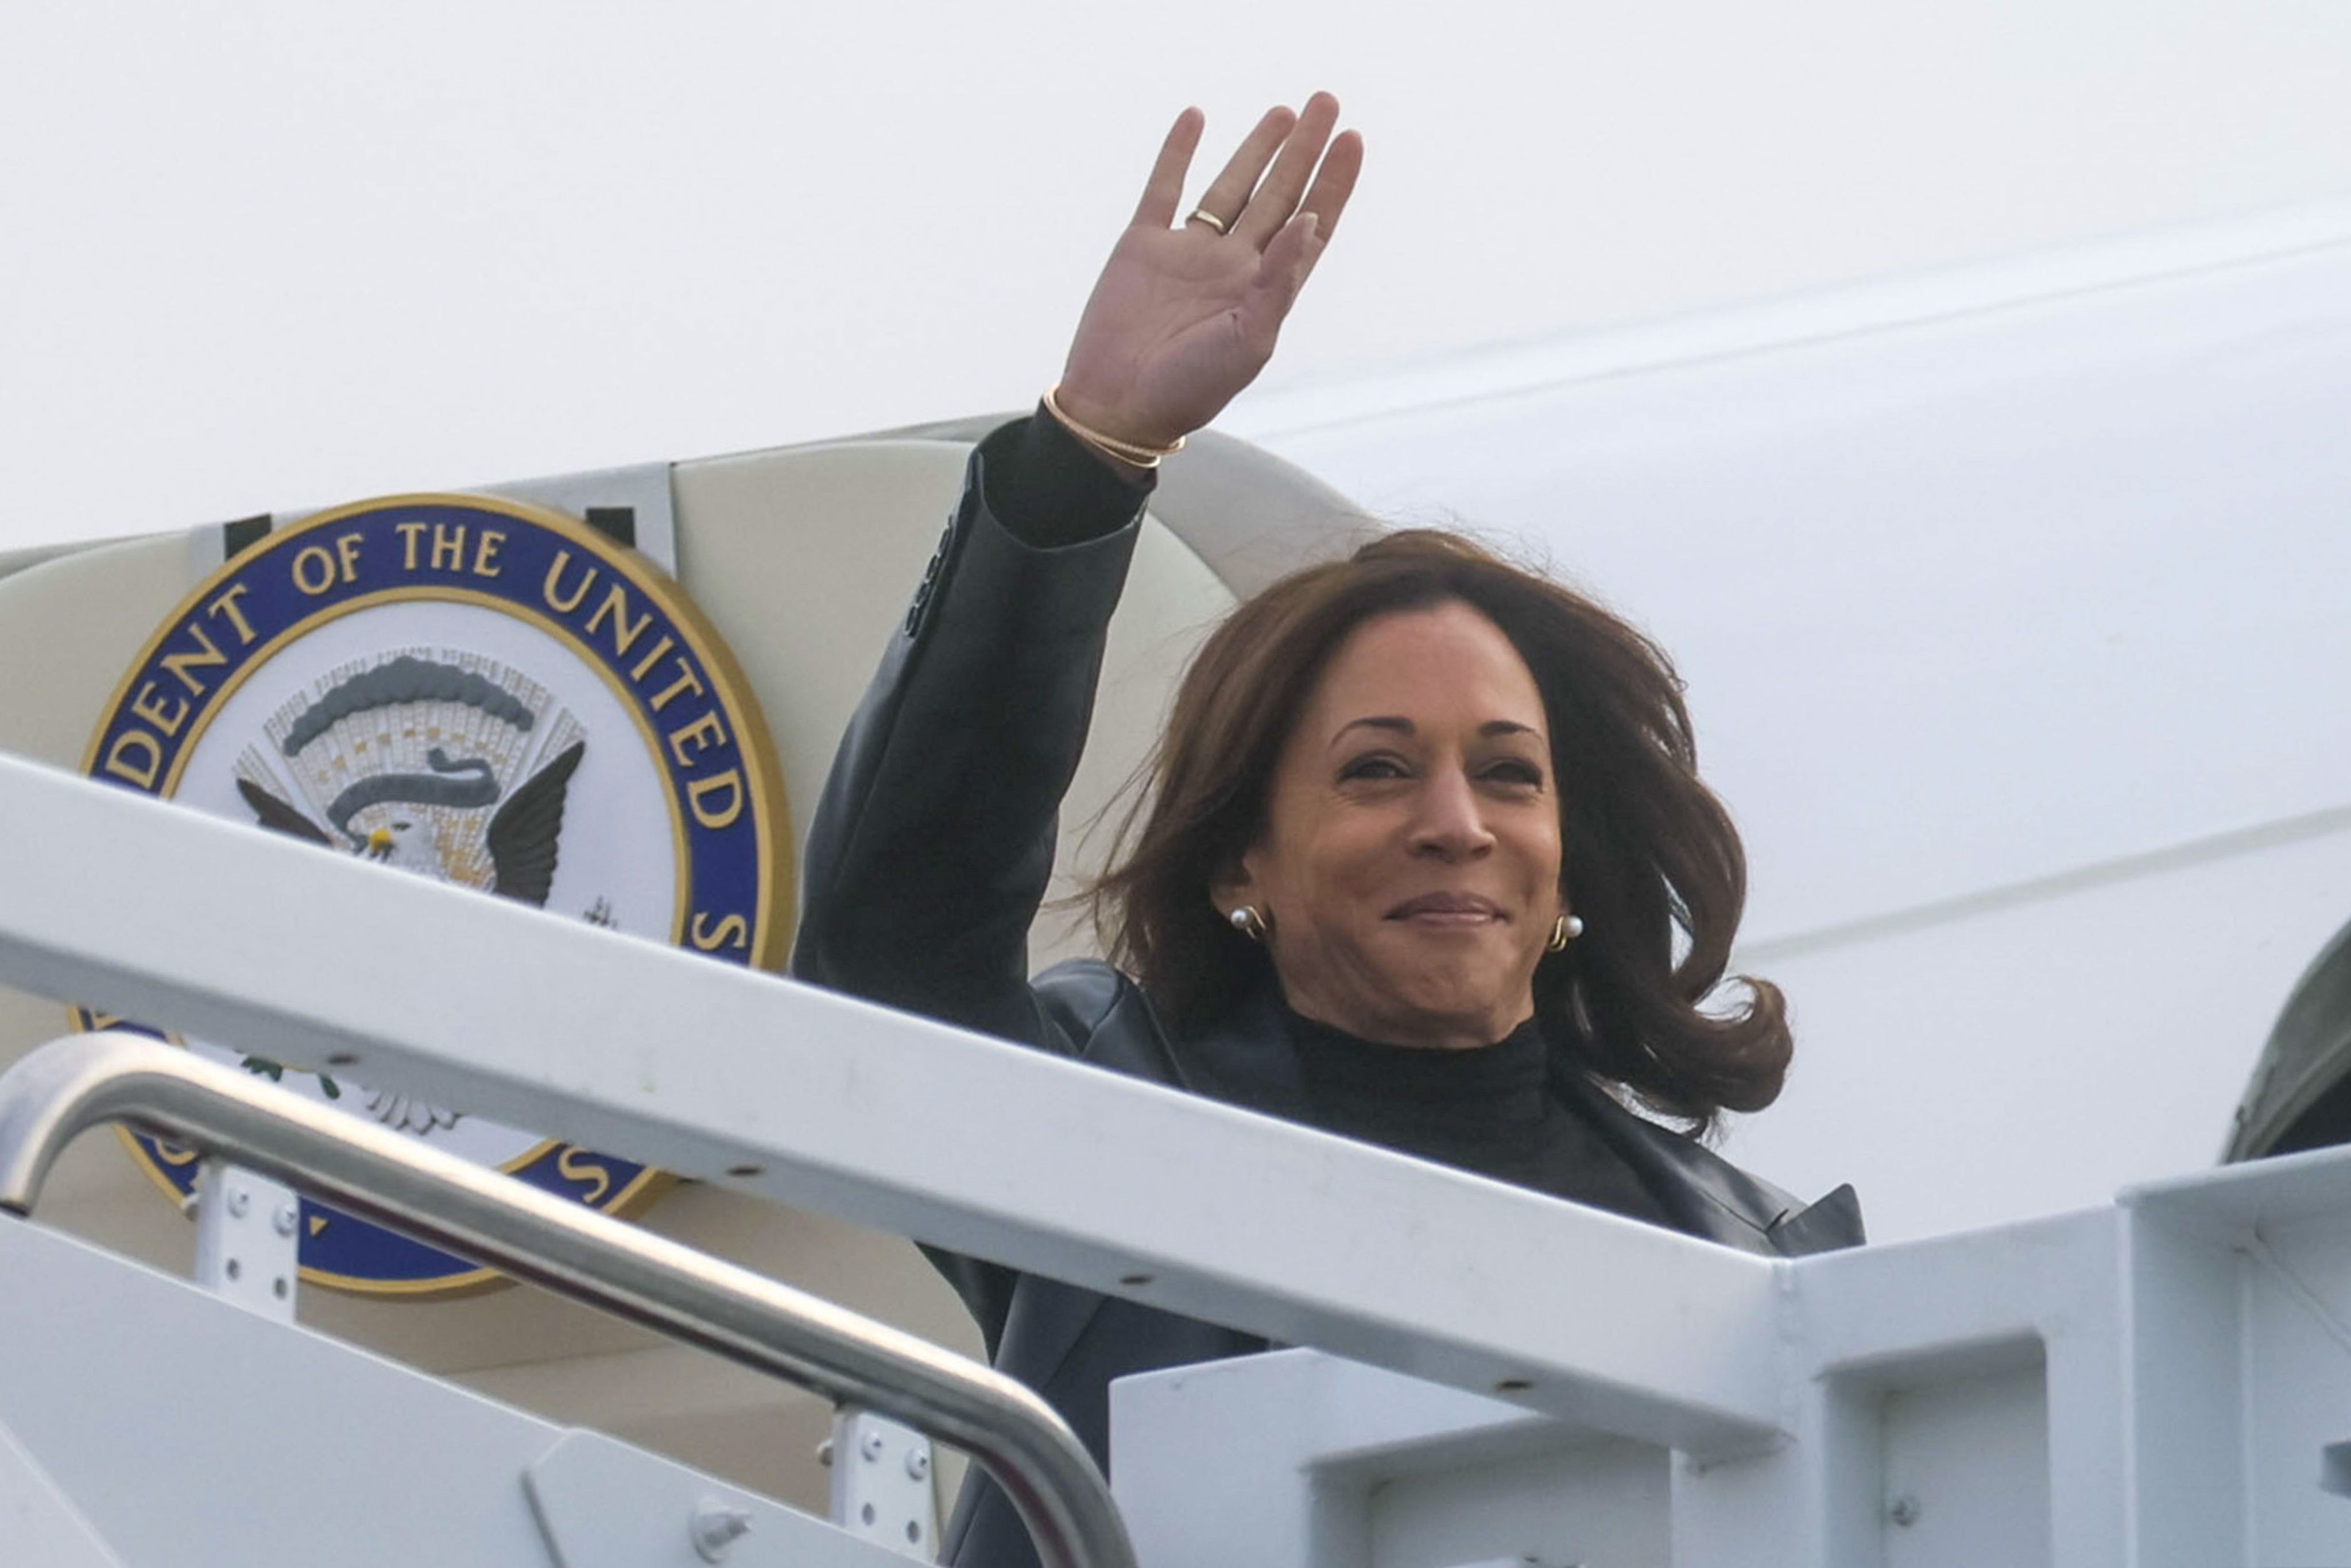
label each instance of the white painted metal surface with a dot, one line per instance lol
(188, 1430)
(604, 1504)
(38, 1522)
(2158, 1384)
(2162, 1383)
(443, 1199)
(883, 1490)
(1298, 1458)
(145, 1423)
(247, 1248)
(814, 1099)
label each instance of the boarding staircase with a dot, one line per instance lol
(1483, 1375)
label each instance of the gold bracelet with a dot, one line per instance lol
(1133, 453)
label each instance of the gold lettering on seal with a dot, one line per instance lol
(179, 664)
(615, 608)
(687, 680)
(149, 704)
(698, 794)
(702, 734)
(136, 757)
(314, 569)
(552, 589)
(574, 1164)
(734, 932)
(652, 656)
(226, 604)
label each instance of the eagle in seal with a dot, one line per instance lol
(374, 752)
(521, 835)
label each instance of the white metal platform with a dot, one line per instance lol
(2165, 1382)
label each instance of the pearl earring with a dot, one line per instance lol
(1564, 930)
(1250, 923)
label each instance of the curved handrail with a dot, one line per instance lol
(76, 1082)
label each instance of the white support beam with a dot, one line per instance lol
(172, 918)
(247, 1249)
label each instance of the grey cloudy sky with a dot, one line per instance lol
(272, 254)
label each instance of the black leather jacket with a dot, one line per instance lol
(926, 861)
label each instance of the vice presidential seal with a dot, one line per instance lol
(486, 693)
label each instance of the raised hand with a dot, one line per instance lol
(1185, 315)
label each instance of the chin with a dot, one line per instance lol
(1474, 1004)
(1460, 983)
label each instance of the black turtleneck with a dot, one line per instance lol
(1488, 1109)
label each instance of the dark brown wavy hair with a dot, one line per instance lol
(1652, 860)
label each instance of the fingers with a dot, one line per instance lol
(1286, 261)
(1165, 189)
(1229, 191)
(1334, 183)
(1280, 273)
(1276, 197)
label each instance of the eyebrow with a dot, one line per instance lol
(1403, 726)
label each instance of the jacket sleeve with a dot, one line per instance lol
(933, 839)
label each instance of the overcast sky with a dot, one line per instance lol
(266, 255)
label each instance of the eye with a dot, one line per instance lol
(1374, 765)
(1519, 772)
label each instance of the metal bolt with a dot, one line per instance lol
(715, 1527)
(239, 1201)
(918, 1463)
(283, 1219)
(869, 1446)
(1903, 1511)
(824, 1453)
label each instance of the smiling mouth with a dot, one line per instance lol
(1449, 910)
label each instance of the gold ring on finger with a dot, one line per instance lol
(1202, 216)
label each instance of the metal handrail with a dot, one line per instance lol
(79, 1082)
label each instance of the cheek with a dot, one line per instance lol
(1551, 868)
(1541, 842)
(1320, 868)
(1348, 860)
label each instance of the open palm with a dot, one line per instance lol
(1185, 316)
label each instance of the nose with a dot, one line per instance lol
(1451, 823)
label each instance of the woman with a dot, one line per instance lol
(1419, 839)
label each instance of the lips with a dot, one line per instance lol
(1448, 909)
